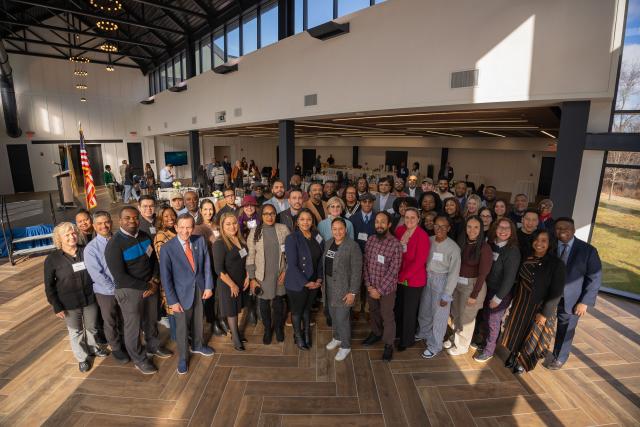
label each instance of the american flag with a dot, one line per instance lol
(89, 188)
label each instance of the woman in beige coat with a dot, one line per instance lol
(266, 265)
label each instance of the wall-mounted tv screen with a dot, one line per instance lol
(176, 158)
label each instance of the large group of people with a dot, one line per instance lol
(454, 271)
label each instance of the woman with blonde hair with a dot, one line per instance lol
(229, 257)
(472, 207)
(69, 290)
(335, 207)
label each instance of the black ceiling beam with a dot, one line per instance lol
(175, 9)
(46, 55)
(99, 16)
(68, 46)
(84, 33)
(163, 40)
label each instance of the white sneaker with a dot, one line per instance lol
(447, 344)
(455, 351)
(427, 354)
(333, 344)
(342, 354)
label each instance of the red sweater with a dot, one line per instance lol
(414, 260)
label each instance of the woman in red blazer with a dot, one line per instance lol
(412, 277)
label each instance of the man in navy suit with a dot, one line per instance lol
(583, 280)
(185, 270)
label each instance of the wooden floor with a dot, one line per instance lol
(277, 385)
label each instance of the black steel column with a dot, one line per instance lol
(287, 149)
(571, 143)
(444, 159)
(194, 150)
(190, 57)
(286, 18)
(355, 160)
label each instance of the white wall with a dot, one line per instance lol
(400, 55)
(49, 105)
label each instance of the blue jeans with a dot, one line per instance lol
(128, 192)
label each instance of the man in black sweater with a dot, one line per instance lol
(530, 222)
(132, 262)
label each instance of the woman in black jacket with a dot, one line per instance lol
(69, 290)
(530, 327)
(506, 261)
(303, 249)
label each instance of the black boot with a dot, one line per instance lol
(297, 333)
(511, 361)
(252, 316)
(265, 314)
(387, 355)
(278, 318)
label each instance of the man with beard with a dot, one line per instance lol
(258, 193)
(315, 204)
(229, 203)
(384, 201)
(520, 204)
(412, 189)
(382, 260)
(461, 193)
(329, 190)
(443, 189)
(278, 200)
(427, 185)
(489, 196)
(191, 203)
(362, 186)
(288, 217)
(398, 188)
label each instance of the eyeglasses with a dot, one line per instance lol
(335, 206)
(439, 227)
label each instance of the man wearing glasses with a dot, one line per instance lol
(147, 208)
(229, 203)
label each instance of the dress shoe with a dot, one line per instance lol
(553, 365)
(371, 340)
(239, 347)
(280, 334)
(401, 347)
(511, 361)
(84, 366)
(519, 369)
(267, 338)
(120, 356)
(387, 354)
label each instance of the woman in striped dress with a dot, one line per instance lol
(530, 326)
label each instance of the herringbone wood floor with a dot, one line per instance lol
(277, 385)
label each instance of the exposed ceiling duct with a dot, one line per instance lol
(9, 106)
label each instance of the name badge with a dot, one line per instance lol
(519, 225)
(252, 223)
(78, 266)
(363, 236)
(152, 230)
(495, 256)
(319, 239)
(381, 259)
(438, 256)
(331, 254)
(282, 248)
(391, 211)
(149, 251)
(242, 252)
(463, 280)
(404, 247)
(216, 233)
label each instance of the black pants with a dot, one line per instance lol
(406, 312)
(275, 321)
(111, 320)
(190, 323)
(300, 306)
(137, 311)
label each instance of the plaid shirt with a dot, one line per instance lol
(382, 260)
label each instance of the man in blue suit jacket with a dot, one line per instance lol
(185, 271)
(363, 226)
(583, 280)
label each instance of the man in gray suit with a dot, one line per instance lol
(384, 200)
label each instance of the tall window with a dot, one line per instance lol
(163, 78)
(170, 82)
(346, 7)
(249, 32)
(206, 54)
(197, 56)
(218, 47)
(626, 118)
(268, 24)
(298, 10)
(319, 12)
(233, 40)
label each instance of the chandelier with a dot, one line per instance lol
(109, 47)
(81, 86)
(106, 5)
(110, 67)
(107, 25)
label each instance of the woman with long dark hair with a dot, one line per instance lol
(430, 202)
(165, 231)
(506, 260)
(266, 266)
(229, 255)
(451, 208)
(500, 209)
(303, 278)
(530, 327)
(471, 288)
(350, 199)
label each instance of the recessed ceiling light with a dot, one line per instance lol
(548, 134)
(491, 133)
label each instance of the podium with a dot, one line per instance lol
(65, 190)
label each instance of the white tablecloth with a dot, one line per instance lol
(165, 193)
